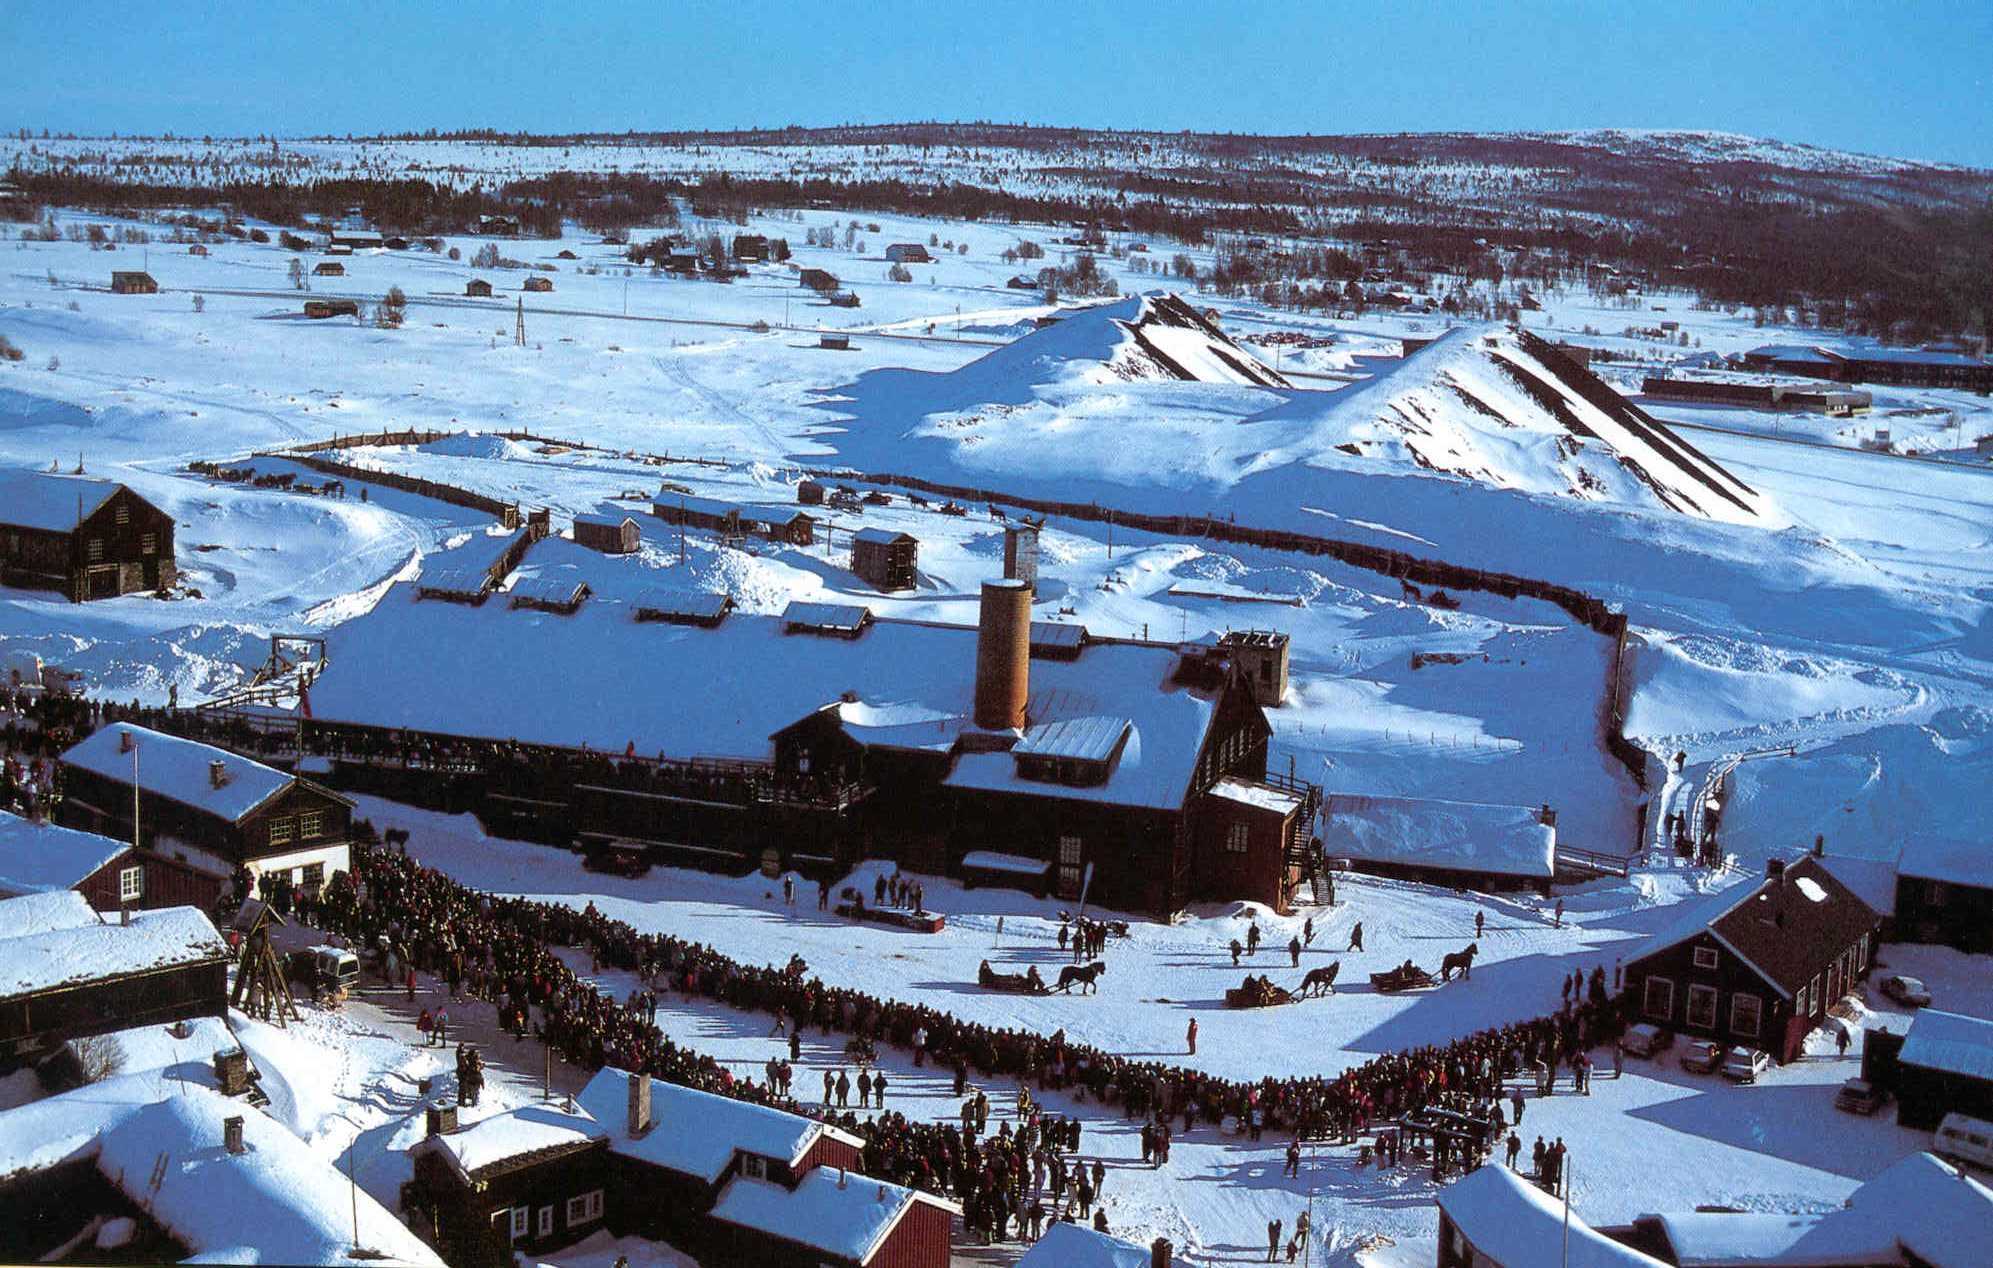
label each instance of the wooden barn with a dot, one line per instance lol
(73, 973)
(560, 591)
(40, 857)
(701, 608)
(819, 280)
(1469, 845)
(205, 806)
(1759, 964)
(613, 534)
(88, 538)
(750, 247)
(810, 493)
(1942, 1065)
(884, 559)
(908, 253)
(1944, 893)
(133, 282)
(328, 268)
(736, 520)
(831, 1219)
(1262, 656)
(526, 1180)
(477, 288)
(320, 309)
(539, 284)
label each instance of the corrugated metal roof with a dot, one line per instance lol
(699, 605)
(1951, 1042)
(1093, 738)
(556, 587)
(832, 618)
(1056, 634)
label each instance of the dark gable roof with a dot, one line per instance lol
(1790, 927)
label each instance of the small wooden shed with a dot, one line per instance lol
(539, 284)
(611, 534)
(133, 282)
(478, 288)
(885, 559)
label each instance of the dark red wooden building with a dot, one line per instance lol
(88, 538)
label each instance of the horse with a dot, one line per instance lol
(395, 836)
(1325, 978)
(861, 1050)
(1085, 975)
(1462, 960)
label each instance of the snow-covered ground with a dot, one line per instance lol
(1853, 627)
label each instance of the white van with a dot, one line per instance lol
(1965, 1139)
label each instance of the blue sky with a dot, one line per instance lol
(1906, 79)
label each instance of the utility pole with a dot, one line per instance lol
(1564, 1183)
(519, 329)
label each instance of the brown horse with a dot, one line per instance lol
(1322, 978)
(1462, 960)
(1084, 975)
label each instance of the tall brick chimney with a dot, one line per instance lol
(1003, 655)
(640, 1112)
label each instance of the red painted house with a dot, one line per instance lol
(1757, 965)
(39, 857)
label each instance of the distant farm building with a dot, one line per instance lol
(737, 520)
(356, 239)
(539, 284)
(1757, 964)
(320, 309)
(908, 253)
(685, 607)
(885, 559)
(810, 493)
(1020, 553)
(328, 268)
(819, 280)
(1467, 844)
(610, 534)
(835, 343)
(478, 288)
(498, 226)
(133, 282)
(88, 538)
(750, 247)
(560, 591)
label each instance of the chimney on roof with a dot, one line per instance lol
(231, 1134)
(440, 1120)
(1775, 870)
(125, 742)
(640, 1106)
(1546, 816)
(217, 773)
(1003, 655)
(882, 1193)
(1820, 846)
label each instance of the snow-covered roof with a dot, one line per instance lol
(1090, 738)
(1723, 1239)
(1785, 928)
(49, 500)
(850, 1220)
(1067, 1245)
(1258, 796)
(157, 1048)
(1871, 880)
(516, 1134)
(1938, 1212)
(278, 1202)
(1951, 860)
(1951, 1042)
(159, 939)
(719, 508)
(1797, 352)
(38, 857)
(881, 536)
(431, 666)
(1513, 1222)
(694, 1133)
(179, 770)
(1057, 635)
(997, 861)
(828, 618)
(559, 587)
(1454, 835)
(690, 605)
(45, 912)
(613, 519)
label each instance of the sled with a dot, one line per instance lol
(1403, 979)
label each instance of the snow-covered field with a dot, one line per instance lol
(1849, 623)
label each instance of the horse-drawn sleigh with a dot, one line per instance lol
(1260, 992)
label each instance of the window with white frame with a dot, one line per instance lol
(314, 876)
(124, 514)
(283, 831)
(1237, 837)
(1658, 999)
(148, 543)
(521, 1221)
(1705, 957)
(1702, 1007)
(311, 824)
(131, 884)
(1819, 1000)
(546, 1221)
(1802, 1005)
(96, 549)
(1746, 1010)
(754, 1167)
(584, 1207)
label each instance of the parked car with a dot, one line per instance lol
(327, 968)
(618, 859)
(1646, 1040)
(1858, 1096)
(1907, 991)
(1702, 1056)
(1744, 1065)
(1965, 1139)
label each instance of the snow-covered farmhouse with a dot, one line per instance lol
(1757, 965)
(206, 807)
(734, 519)
(117, 1172)
(822, 736)
(1944, 893)
(1460, 843)
(1943, 1065)
(38, 857)
(133, 282)
(530, 1178)
(612, 534)
(885, 560)
(750, 247)
(88, 538)
(908, 253)
(748, 1183)
(66, 971)
(820, 280)
(477, 288)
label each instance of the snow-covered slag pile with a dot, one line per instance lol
(1507, 408)
(1156, 338)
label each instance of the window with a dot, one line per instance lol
(1861, 954)
(311, 824)
(1819, 1000)
(96, 549)
(1802, 1005)
(1237, 837)
(149, 543)
(314, 876)
(124, 515)
(1705, 957)
(282, 831)
(520, 1216)
(1069, 851)
(1658, 999)
(584, 1207)
(1702, 1007)
(1745, 1010)
(754, 1167)
(546, 1221)
(131, 884)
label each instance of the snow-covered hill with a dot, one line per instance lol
(1153, 338)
